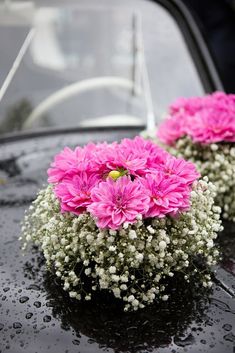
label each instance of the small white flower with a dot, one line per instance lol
(116, 292)
(112, 269)
(165, 297)
(132, 234)
(124, 279)
(135, 303)
(151, 230)
(210, 243)
(162, 245)
(131, 298)
(87, 271)
(115, 278)
(131, 248)
(139, 257)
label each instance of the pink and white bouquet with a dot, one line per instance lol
(202, 130)
(123, 217)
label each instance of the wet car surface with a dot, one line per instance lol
(37, 316)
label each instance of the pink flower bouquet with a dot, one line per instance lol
(123, 217)
(202, 130)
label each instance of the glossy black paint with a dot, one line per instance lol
(37, 316)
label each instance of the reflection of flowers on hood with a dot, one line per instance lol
(104, 322)
(205, 120)
(118, 183)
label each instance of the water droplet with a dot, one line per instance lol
(33, 287)
(230, 337)
(37, 304)
(183, 342)
(221, 305)
(23, 300)
(6, 289)
(17, 325)
(47, 318)
(76, 342)
(28, 315)
(227, 327)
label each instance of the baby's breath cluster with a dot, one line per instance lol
(132, 262)
(217, 161)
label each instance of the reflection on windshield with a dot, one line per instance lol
(91, 64)
(16, 116)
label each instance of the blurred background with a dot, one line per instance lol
(216, 20)
(88, 63)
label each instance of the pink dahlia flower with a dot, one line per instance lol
(116, 202)
(75, 193)
(211, 126)
(206, 120)
(138, 155)
(65, 163)
(139, 147)
(172, 129)
(168, 195)
(184, 170)
(103, 157)
(187, 106)
(91, 158)
(68, 163)
(132, 155)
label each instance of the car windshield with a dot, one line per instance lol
(88, 63)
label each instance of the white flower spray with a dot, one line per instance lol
(133, 262)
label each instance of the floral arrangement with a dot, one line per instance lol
(124, 217)
(202, 130)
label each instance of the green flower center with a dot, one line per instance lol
(115, 174)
